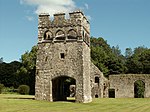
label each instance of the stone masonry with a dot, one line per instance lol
(123, 84)
(64, 51)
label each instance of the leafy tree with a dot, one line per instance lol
(116, 51)
(108, 60)
(1, 60)
(99, 58)
(128, 52)
(139, 62)
(8, 73)
(26, 74)
(145, 61)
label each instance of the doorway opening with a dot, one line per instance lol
(63, 89)
(139, 89)
(111, 93)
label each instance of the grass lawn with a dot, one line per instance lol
(25, 103)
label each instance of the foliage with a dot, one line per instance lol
(139, 62)
(8, 73)
(139, 88)
(1, 60)
(111, 61)
(18, 73)
(23, 89)
(9, 90)
(128, 52)
(26, 73)
(1, 88)
(108, 60)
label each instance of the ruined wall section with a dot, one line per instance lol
(98, 89)
(124, 84)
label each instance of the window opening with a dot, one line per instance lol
(96, 79)
(62, 55)
(111, 93)
(96, 96)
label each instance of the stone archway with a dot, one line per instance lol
(61, 87)
(139, 89)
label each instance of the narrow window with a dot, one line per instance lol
(96, 79)
(62, 55)
(96, 96)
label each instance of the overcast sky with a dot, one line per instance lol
(121, 22)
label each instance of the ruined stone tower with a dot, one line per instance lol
(63, 52)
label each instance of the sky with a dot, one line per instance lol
(125, 23)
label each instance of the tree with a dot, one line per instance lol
(8, 73)
(26, 74)
(128, 52)
(145, 61)
(1, 60)
(139, 62)
(116, 51)
(108, 60)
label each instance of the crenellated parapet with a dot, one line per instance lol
(74, 28)
(64, 53)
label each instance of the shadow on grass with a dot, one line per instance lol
(69, 99)
(20, 98)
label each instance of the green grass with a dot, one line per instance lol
(25, 103)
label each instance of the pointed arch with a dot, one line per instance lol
(72, 34)
(60, 35)
(48, 35)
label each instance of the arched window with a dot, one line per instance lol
(72, 34)
(48, 35)
(60, 35)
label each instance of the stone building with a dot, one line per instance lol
(123, 85)
(64, 54)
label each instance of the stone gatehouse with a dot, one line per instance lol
(64, 54)
(123, 85)
(64, 66)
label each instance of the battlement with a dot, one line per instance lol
(75, 18)
(60, 28)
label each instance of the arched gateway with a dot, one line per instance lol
(64, 52)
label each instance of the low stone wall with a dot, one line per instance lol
(123, 84)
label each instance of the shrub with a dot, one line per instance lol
(23, 89)
(9, 90)
(1, 88)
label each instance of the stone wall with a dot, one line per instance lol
(64, 51)
(77, 24)
(124, 84)
(100, 87)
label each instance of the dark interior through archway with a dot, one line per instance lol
(63, 87)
